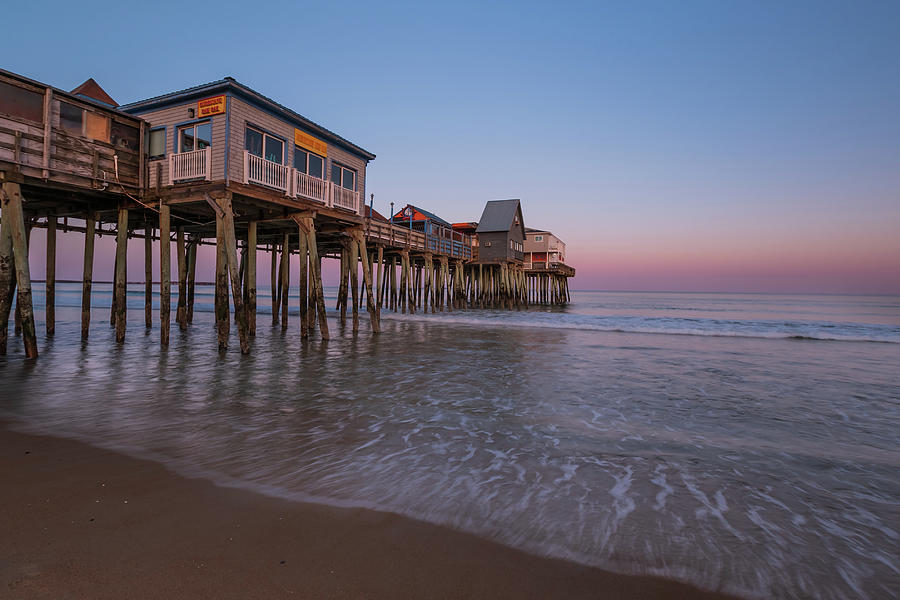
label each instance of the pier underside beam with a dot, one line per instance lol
(90, 224)
(165, 275)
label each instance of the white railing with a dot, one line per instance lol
(189, 165)
(310, 188)
(344, 198)
(266, 172)
(299, 185)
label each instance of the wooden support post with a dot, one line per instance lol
(367, 278)
(378, 287)
(87, 275)
(222, 321)
(316, 275)
(394, 283)
(304, 285)
(276, 289)
(50, 277)
(181, 258)
(7, 269)
(165, 274)
(17, 240)
(285, 278)
(354, 280)
(191, 277)
(342, 288)
(120, 282)
(148, 275)
(251, 278)
(230, 251)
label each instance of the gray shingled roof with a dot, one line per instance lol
(498, 215)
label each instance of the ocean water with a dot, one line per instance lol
(749, 443)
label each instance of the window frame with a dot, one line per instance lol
(308, 154)
(191, 125)
(538, 238)
(266, 134)
(165, 135)
(344, 168)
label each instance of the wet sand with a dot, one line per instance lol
(80, 522)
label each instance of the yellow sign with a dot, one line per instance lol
(211, 106)
(304, 140)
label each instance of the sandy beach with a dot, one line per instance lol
(80, 522)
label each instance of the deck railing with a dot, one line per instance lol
(190, 165)
(266, 172)
(344, 198)
(310, 188)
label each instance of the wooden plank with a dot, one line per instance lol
(45, 159)
(285, 278)
(317, 276)
(276, 288)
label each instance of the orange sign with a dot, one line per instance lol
(304, 140)
(211, 106)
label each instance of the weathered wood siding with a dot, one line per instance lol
(243, 114)
(71, 158)
(171, 118)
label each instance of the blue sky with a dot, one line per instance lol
(697, 145)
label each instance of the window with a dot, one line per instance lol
(157, 143)
(309, 163)
(71, 118)
(539, 238)
(194, 137)
(342, 176)
(77, 121)
(264, 146)
(487, 244)
(124, 136)
(19, 102)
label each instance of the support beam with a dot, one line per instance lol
(222, 322)
(148, 274)
(165, 274)
(17, 238)
(87, 274)
(181, 258)
(230, 251)
(303, 251)
(378, 288)
(251, 278)
(120, 281)
(50, 277)
(285, 279)
(308, 224)
(367, 278)
(7, 269)
(353, 265)
(191, 278)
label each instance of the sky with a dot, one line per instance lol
(696, 146)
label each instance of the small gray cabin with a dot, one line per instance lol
(501, 232)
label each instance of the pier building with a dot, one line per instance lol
(220, 164)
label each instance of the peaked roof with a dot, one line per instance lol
(498, 215)
(375, 215)
(92, 89)
(230, 84)
(423, 214)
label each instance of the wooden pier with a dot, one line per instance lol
(72, 164)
